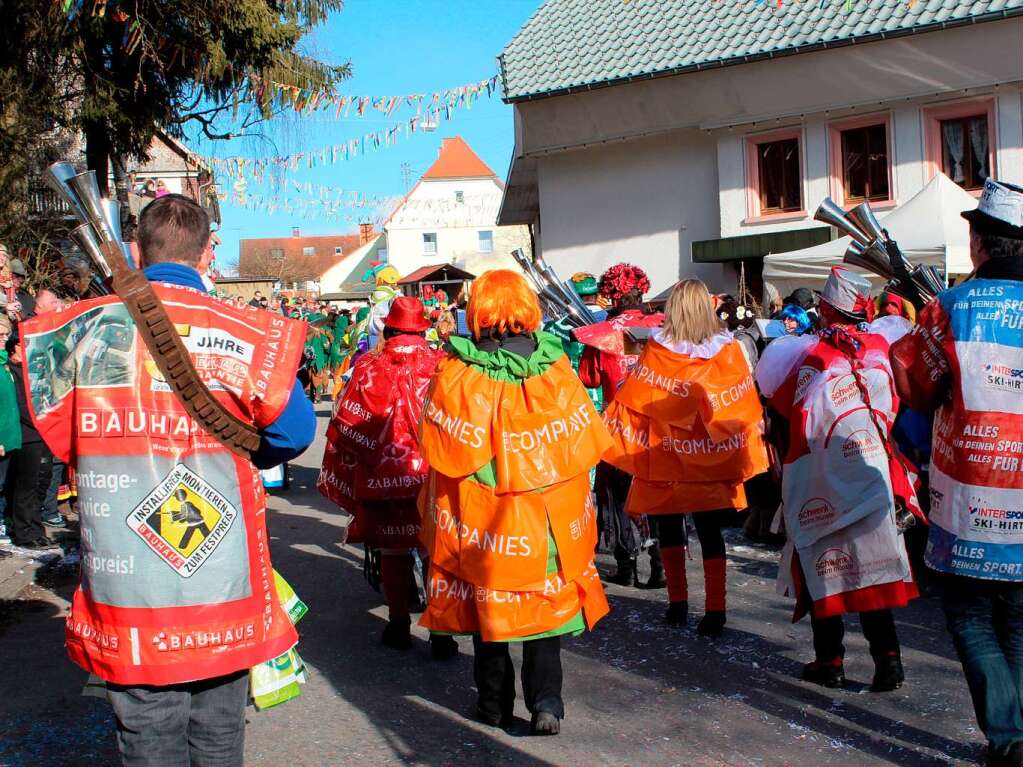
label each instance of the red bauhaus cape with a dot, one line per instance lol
(176, 577)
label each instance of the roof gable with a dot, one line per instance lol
(572, 45)
(256, 257)
(457, 160)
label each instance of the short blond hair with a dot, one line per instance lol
(689, 314)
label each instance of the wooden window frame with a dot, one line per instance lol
(754, 214)
(933, 117)
(835, 159)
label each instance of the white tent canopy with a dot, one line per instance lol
(927, 227)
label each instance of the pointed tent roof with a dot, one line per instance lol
(457, 160)
(927, 227)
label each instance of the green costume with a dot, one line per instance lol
(10, 419)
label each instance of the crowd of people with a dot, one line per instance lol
(490, 448)
(33, 484)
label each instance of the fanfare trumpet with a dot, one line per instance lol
(559, 299)
(101, 224)
(873, 249)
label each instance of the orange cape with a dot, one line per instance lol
(510, 465)
(689, 430)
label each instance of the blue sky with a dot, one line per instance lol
(395, 47)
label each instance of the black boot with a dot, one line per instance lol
(677, 613)
(443, 647)
(656, 579)
(888, 674)
(397, 635)
(626, 575)
(712, 624)
(827, 674)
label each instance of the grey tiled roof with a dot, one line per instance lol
(575, 44)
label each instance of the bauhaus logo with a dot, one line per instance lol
(183, 520)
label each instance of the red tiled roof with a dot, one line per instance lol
(423, 272)
(457, 160)
(254, 257)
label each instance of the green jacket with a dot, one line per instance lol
(10, 419)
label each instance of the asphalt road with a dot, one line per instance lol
(637, 691)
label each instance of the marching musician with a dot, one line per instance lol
(962, 362)
(177, 600)
(372, 467)
(846, 489)
(606, 360)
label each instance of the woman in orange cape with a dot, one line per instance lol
(510, 435)
(688, 425)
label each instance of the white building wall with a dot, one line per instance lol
(432, 207)
(643, 202)
(640, 171)
(1009, 111)
(909, 171)
(909, 166)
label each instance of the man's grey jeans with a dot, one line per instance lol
(197, 724)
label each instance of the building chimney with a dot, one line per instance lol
(295, 232)
(365, 233)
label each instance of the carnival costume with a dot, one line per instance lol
(964, 363)
(372, 467)
(176, 576)
(606, 360)
(845, 488)
(687, 426)
(510, 436)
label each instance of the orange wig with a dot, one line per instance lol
(502, 302)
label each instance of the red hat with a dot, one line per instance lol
(407, 314)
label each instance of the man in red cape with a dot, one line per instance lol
(372, 467)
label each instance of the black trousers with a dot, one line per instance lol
(541, 677)
(28, 466)
(878, 630)
(671, 530)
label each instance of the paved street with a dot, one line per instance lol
(637, 692)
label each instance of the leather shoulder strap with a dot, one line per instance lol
(172, 358)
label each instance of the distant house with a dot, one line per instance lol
(246, 287)
(343, 282)
(169, 161)
(298, 262)
(450, 216)
(693, 136)
(181, 172)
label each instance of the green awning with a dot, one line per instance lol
(758, 245)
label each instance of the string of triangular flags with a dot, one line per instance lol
(258, 168)
(307, 101)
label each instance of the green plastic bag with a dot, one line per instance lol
(294, 606)
(276, 681)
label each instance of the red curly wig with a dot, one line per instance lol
(502, 302)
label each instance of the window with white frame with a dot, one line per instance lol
(429, 243)
(308, 250)
(338, 251)
(459, 196)
(486, 241)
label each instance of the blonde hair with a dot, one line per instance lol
(689, 314)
